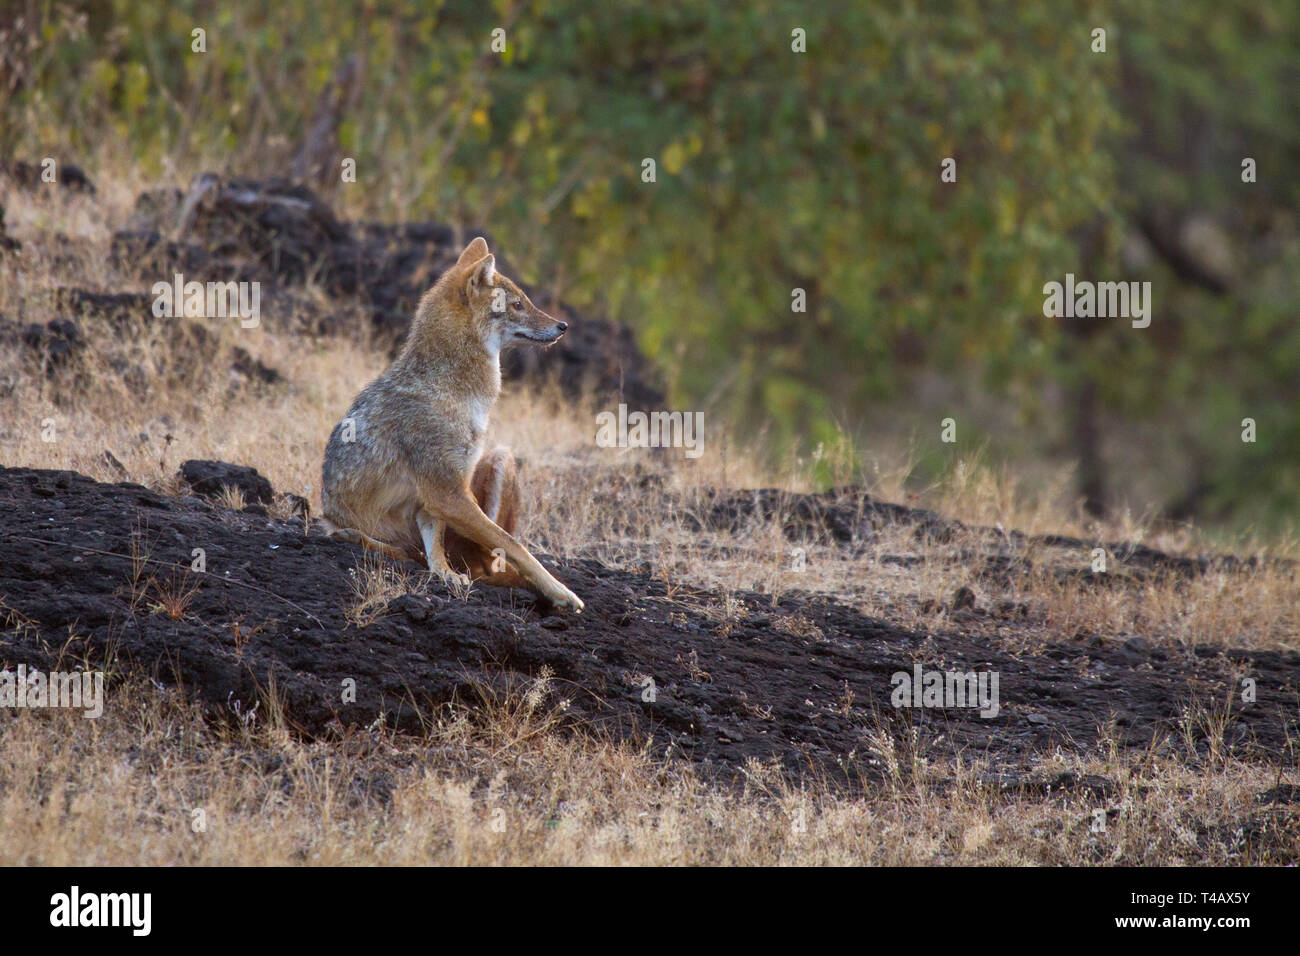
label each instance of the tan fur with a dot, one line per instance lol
(414, 482)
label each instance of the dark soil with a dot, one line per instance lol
(798, 683)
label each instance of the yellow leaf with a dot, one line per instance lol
(674, 158)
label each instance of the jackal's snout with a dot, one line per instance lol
(545, 330)
(525, 322)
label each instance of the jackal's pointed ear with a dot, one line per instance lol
(482, 274)
(475, 251)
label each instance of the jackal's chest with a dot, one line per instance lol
(479, 411)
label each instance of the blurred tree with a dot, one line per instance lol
(779, 170)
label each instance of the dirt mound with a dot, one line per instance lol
(53, 345)
(282, 235)
(211, 478)
(852, 516)
(840, 515)
(96, 572)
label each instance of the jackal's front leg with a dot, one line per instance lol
(466, 517)
(431, 532)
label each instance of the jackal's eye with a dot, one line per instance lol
(518, 306)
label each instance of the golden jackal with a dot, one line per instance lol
(406, 467)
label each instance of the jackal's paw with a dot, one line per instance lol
(566, 598)
(452, 580)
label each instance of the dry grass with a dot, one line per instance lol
(494, 782)
(374, 583)
(174, 593)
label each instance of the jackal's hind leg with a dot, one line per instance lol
(495, 487)
(353, 536)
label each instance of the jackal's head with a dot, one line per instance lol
(498, 309)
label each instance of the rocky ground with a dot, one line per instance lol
(93, 573)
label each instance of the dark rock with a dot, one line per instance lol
(416, 609)
(209, 478)
(1285, 793)
(254, 369)
(54, 344)
(110, 459)
(144, 251)
(1091, 784)
(124, 311)
(27, 176)
(842, 514)
(1007, 609)
(7, 244)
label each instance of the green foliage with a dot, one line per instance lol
(779, 170)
